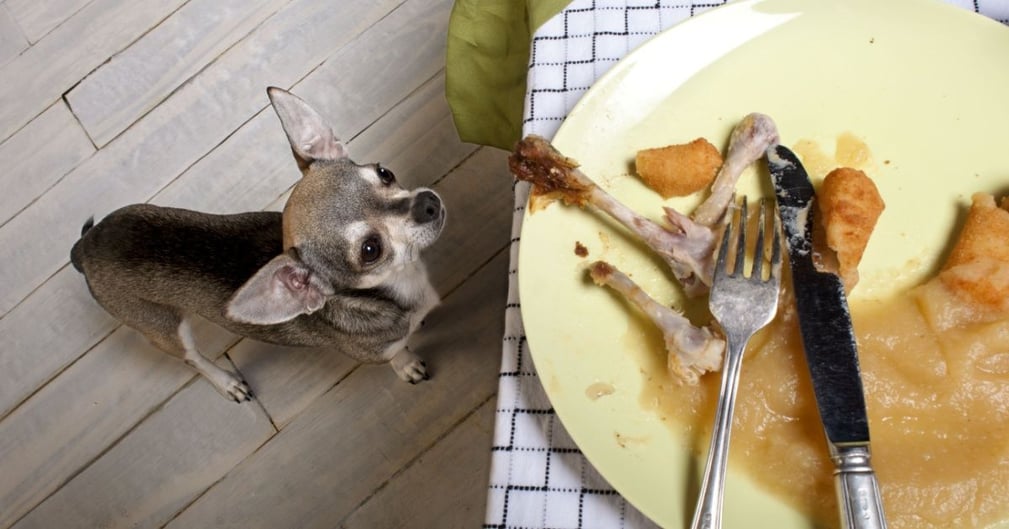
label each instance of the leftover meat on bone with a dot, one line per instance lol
(687, 245)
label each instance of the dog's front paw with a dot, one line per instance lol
(409, 367)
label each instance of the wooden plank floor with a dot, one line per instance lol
(109, 102)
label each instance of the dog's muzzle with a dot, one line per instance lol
(426, 207)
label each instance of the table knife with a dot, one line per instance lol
(830, 348)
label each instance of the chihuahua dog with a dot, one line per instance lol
(340, 267)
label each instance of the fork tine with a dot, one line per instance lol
(723, 249)
(758, 249)
(740, 239)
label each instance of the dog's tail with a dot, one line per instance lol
(75, 252)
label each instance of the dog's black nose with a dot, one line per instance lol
(426, 207)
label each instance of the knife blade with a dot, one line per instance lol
(830, 348)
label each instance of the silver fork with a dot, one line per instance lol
(742, 306)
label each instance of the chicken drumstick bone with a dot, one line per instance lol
(688, 246)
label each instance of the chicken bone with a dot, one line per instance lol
(692, 351)
(685, 249)
(686, 244)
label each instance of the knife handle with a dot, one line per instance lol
(857, 489)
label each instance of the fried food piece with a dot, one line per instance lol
(977, 267)
(850, 205)
(679, 170)
(691, 351)
(985, 233)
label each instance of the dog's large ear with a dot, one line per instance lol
(311, 139)
(281, 290)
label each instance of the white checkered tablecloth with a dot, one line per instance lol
(539, 479)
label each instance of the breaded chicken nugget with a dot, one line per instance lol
(977, 267)
(679, 170)
(850, 205)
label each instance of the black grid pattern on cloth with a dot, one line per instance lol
(539, 478)
(588, 39)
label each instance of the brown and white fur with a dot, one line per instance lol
(340, 267)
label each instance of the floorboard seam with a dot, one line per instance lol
(409, 464)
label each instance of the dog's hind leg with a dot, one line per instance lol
(226, 382)
(169, 330)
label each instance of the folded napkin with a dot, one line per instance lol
(486, 60)
(539, 479)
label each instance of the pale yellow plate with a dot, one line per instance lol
(924, 85)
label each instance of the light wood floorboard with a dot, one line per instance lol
(38, 18)
(41, 74)
(12, 38)
(78, 415)
(157, 470)
(110, 102)
(133, 82)
(454, 463)
(37, 156)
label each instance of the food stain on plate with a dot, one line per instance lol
(628, 441)
(597, 390)
(849, 151)
(644, 341)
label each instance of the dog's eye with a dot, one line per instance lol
(385, 175)
(371, 250)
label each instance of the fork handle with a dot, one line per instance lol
(857, 489)
(708, 512)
